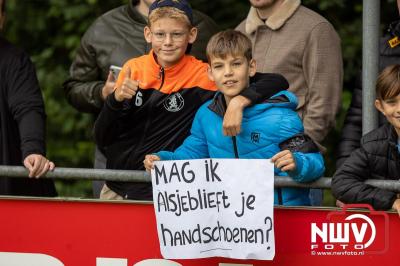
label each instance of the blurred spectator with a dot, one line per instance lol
(389, 54)
(296, 42)
(22, 122)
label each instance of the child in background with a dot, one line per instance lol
(379, 156)
(271, 129)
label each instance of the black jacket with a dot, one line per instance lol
(352, 128)
(113, 39)
(377, 158)
(22, 120)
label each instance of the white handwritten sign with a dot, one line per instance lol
(214, 207)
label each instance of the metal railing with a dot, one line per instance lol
(142, 176)
(370, 63)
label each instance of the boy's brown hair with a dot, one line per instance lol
(388, 83)
(229, 42)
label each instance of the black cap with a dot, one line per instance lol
(182, 5)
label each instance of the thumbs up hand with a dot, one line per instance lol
(127, 89)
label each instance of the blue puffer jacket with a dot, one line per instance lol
(264, 126)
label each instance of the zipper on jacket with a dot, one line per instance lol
(161, 75)
(235, 147)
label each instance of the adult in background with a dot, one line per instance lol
(389, 54)
(298, 43)
(112, 39)
(22, 122)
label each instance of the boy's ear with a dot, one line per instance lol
(192, 35)
(147, 34)
(252, 67)
(209, 73)
(379, 106)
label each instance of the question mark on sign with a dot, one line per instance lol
(270, 225)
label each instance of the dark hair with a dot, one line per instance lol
(3, 7)
(135, 2)
(388, 83)
(228, 42)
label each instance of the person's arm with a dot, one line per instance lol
(194, 147)
(309, 167)
(300, 158)
(352, 128)
(262, 87)
(106, 127)
(26, 105)
(308, 161)
(348, 183)
(323, 71)
(84, 86)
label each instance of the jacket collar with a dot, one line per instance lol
(276, 20)
(218, 104)
(172, 69)
(392, 136)
(393, 152)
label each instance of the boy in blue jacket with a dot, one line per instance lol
(269, 130)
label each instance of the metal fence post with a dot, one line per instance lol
(370, 63)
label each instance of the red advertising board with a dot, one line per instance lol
(94, 233)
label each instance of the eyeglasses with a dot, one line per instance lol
(175, 36)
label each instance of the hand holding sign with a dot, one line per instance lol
(149, 161)
(284, 160)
